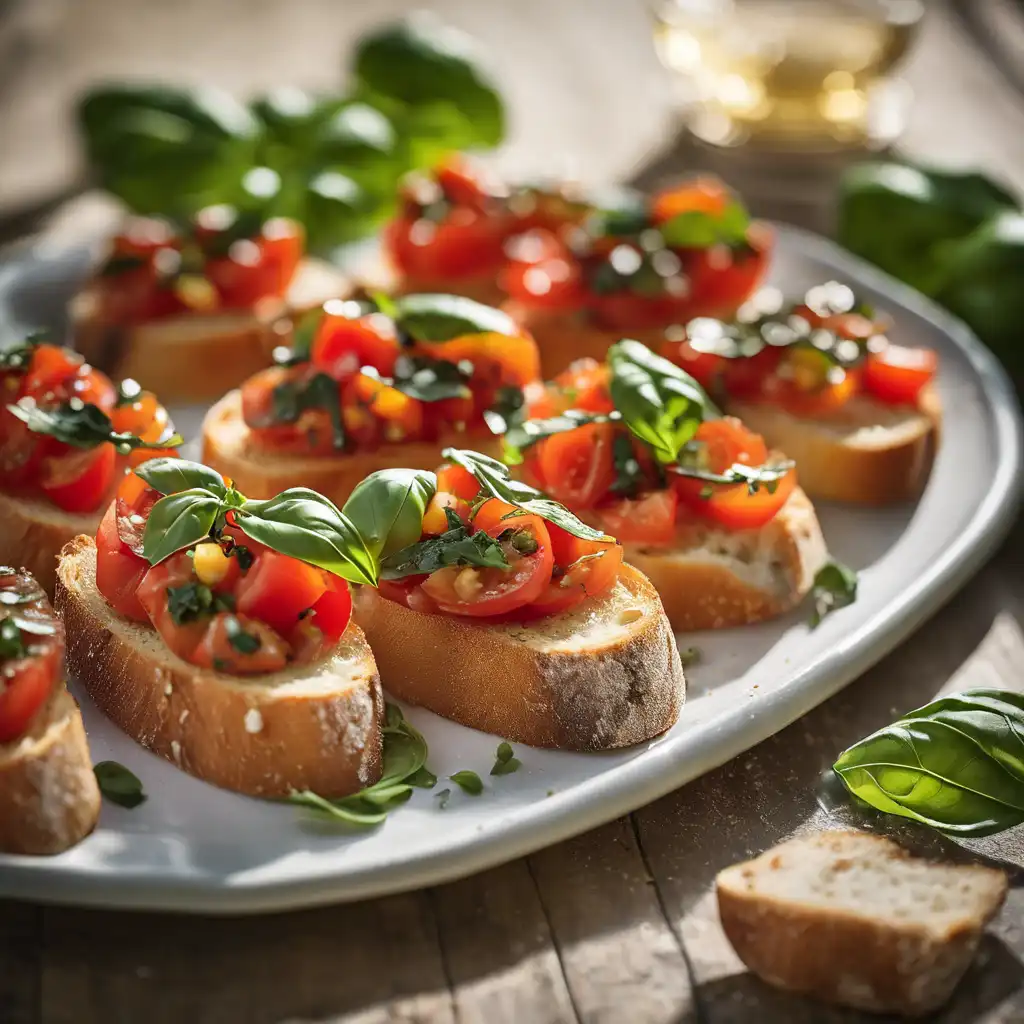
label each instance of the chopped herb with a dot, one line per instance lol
(522, 540)
(244, 555)
(128, 392)
(454, 547)
(505, 763)
(469, 782)
(81, 425)
(630, 478)
(11, 644)
(121, 264)
(427, 379)
(219, 664)
(192, 601)
(707, 491)
(292, 398)
(243, 642)
(507, 412)
(835, 587)
(442, 799)
(755, 477)
(119, 785)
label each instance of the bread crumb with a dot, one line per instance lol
(253, 721)
(630, 615)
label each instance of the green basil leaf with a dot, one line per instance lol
(956, 764)
(443, 317)
(81, 426)
(494, 480)
(661, 404)
(432, 380)
(12, 645)
(387, 508)
(292, 398)
(178, 521)
(755, 477)
(348, 811)
(169, 476)
(306, 525)
(835, 587)
(505, 763)
(469, 782)
(423, 778)
(508, 411)
(442, 798)
(17, 357)
(119, 785)
(454, 547)
(303, 332)
(521, 436)
(696, 229)
(358, 137)
(622, 213)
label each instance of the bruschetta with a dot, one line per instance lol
(713, 518)
(499, 609)
(67, 434)
(49, 798)
(223, 294)
(638, 265)
(382, 383)
(216, 632)
(821, 379)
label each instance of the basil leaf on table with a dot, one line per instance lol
(457, 546)
(387, 508)
(306, 525)
(170, 476)
(956, 764)
(661, 404)
(119, 785)
(430, 317)
(835, 587)
(178, 521)
(495, 480)
(82, 426)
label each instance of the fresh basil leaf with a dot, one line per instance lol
(444, 317)
(81, 425)
(522, 435)
(454, 547)
(119, 785)
(240, 638)
(307, 526)
(424, 778)
(661, 404)
(304, 331)
(505, 763)
(387, 508)
(292, 398)
(193, 601)
(835, 587)
(494, 480)
(469, 782)
(508, 411)
(432, 380)
(348, 811)
(956, 764)
(170, 476)
(630, 478)
(12, 645)
(622, 214)
(697, 229)
(179, 521)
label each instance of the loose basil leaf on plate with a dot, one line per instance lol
(178, 521)
(956, 764)
(697, 229)
(455, 546)
(505, 761)
(494, 479)
(468, 781)
(835, 587)
(169, 476)
(82, 426)
(119, 785)
(438, 318)
(387, 508)
(306, 525)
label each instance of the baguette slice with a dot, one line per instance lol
(196, 356)
(312, 727)
(852, 918)
(32, 533)
(713, 578)
(49, 799)
(605, 674)
(866, 452)
(228, 448)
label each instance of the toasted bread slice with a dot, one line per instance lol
(312, 727)
(853, 919)
(714, 578)
(49, 799)
(32, 533)
(198, 356)
(866, 452)
(228, 448)
(605, 674)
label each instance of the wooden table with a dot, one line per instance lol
(618, 924)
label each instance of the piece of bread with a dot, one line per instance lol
(852, 918)
(32, 533)
(713, 578)
(605, 674)
(228, 448)
(49, 799)
(867, 452)
(198, 356)
(312, 727)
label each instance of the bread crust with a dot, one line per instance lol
(228, 448)
(197, 357)
(847, 958)
(516, 683)
(49, 799)
(315, 727)
(702, 581)
(32, 534)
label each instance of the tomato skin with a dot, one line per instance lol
(706, 368)
(704, 195)
(542, 272)
(343, 346)
(49, 367)
(409, 593)
(332, 611)
(898, 374)
(649, 519)
(215, 649)
(458, 481)
(79, 481)
(577, 465)
(591, 577)
(118, 570)
(466, 244)
(435, 521)
(586, 382)
(176, 571)
(277, 589)
(810, 403)
(745, 378)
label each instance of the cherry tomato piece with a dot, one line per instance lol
(278, 589)
(79, 480)
(898, 374)
(578, 465)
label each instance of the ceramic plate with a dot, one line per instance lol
(191, 847)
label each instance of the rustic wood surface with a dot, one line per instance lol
(615, 925)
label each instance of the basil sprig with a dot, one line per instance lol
(495, 482)
(297, 522)
(405, 768)
(456, 546)
(835, 587)
(387, 508)
(82, 425)
(956, 764)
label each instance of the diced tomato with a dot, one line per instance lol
(745, 378)
(705, 367)
(119, 571)
(21, 451)
(49, 367)
(224, 646)
(467, 243)
(176, 571)
(812, 402)
(585, 385)
(577, 465)
(458, 481)
(649, 519)
(726, 441)
(464, 183)
(278, 589)
(722, 279)
(79, 480)
(703, 195)
(332, 612)
(400, 414)
(283, 242)
(435, 521)
(91, 387)
(591, 575)
(343, 345)
(407, 592)
(898, 374)
(542, 272)
(499, 360)
(145, 417)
